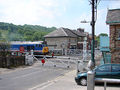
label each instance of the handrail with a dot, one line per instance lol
(105, 80)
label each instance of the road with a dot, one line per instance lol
(27, 78)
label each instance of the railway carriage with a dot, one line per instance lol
(38, 47)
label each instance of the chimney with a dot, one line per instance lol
(80, 30)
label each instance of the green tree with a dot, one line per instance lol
(98, 37)
(12, 32)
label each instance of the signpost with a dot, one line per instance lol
(21, 49)
(43, 62)
(84, 49)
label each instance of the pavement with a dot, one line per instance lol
(67, 82)
(63, 82)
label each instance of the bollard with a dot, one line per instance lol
(105, 84)
(32, 53)
(90, 80)
(42, 64)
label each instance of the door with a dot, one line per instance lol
(115, 74)
(103, 71)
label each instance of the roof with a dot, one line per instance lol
(113, 16)
(26, 42)
(63, 32)
(78, 33)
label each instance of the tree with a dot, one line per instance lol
(13, 32)
(103, 34)
(98, 37)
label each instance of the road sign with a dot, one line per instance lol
(43, 61)
(21, 49)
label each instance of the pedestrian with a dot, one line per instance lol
(52, 54)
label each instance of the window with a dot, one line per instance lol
(69, 40)
(116, 68)
(40, 45)
(106, 68)
(36, 45)
(118, 36)
(32, 47)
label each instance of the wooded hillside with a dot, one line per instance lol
(11, 32)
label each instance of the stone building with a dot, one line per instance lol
(113, 20)
(64, 38)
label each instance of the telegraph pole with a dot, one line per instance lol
(94, 4)
(93, 32)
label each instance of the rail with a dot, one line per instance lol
(107, 80)
(64, 60)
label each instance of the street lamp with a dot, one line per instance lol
(84, 21)
(91, 63)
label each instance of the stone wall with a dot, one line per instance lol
(12, 61)
(115, 43)
(60, 42)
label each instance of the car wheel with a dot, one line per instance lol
(83, 81)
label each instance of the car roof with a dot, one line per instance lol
(110, 64)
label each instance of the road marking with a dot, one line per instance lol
(43, 85)
(48, 83)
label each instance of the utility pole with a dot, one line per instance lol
(94, 4)
(93, 32)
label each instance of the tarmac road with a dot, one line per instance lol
(47, 77)
(27, 78)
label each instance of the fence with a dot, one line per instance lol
(12, 61)
(59, 60)
(107, 80)
(91, 80)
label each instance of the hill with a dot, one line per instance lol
(11, 32)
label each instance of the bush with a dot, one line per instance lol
(4, 49)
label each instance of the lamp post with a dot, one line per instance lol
(93, 32)
(92, 23)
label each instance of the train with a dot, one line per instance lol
(38, 47)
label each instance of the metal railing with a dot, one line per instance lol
(66, 61)
(107, 80)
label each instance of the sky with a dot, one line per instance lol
(57, 13)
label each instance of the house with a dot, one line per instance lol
(64, 38)
(113, 20)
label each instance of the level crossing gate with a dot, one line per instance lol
(64, 61)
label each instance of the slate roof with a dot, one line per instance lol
(78, 33)
(113, 16)
(63, 32)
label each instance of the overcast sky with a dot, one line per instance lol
(58, 13)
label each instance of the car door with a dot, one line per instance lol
(103, 71)
(115, 71)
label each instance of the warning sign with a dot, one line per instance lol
(21, 49)
(43, 61)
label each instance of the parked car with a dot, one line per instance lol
(102, 71)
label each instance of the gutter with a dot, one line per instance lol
(113, 22)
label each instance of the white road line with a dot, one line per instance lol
(46, 84)
(40, 85)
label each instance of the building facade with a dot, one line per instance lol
(64, 38)
(113, 20)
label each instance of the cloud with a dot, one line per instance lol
(31, 11)
(115, 4)
(59, 13)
